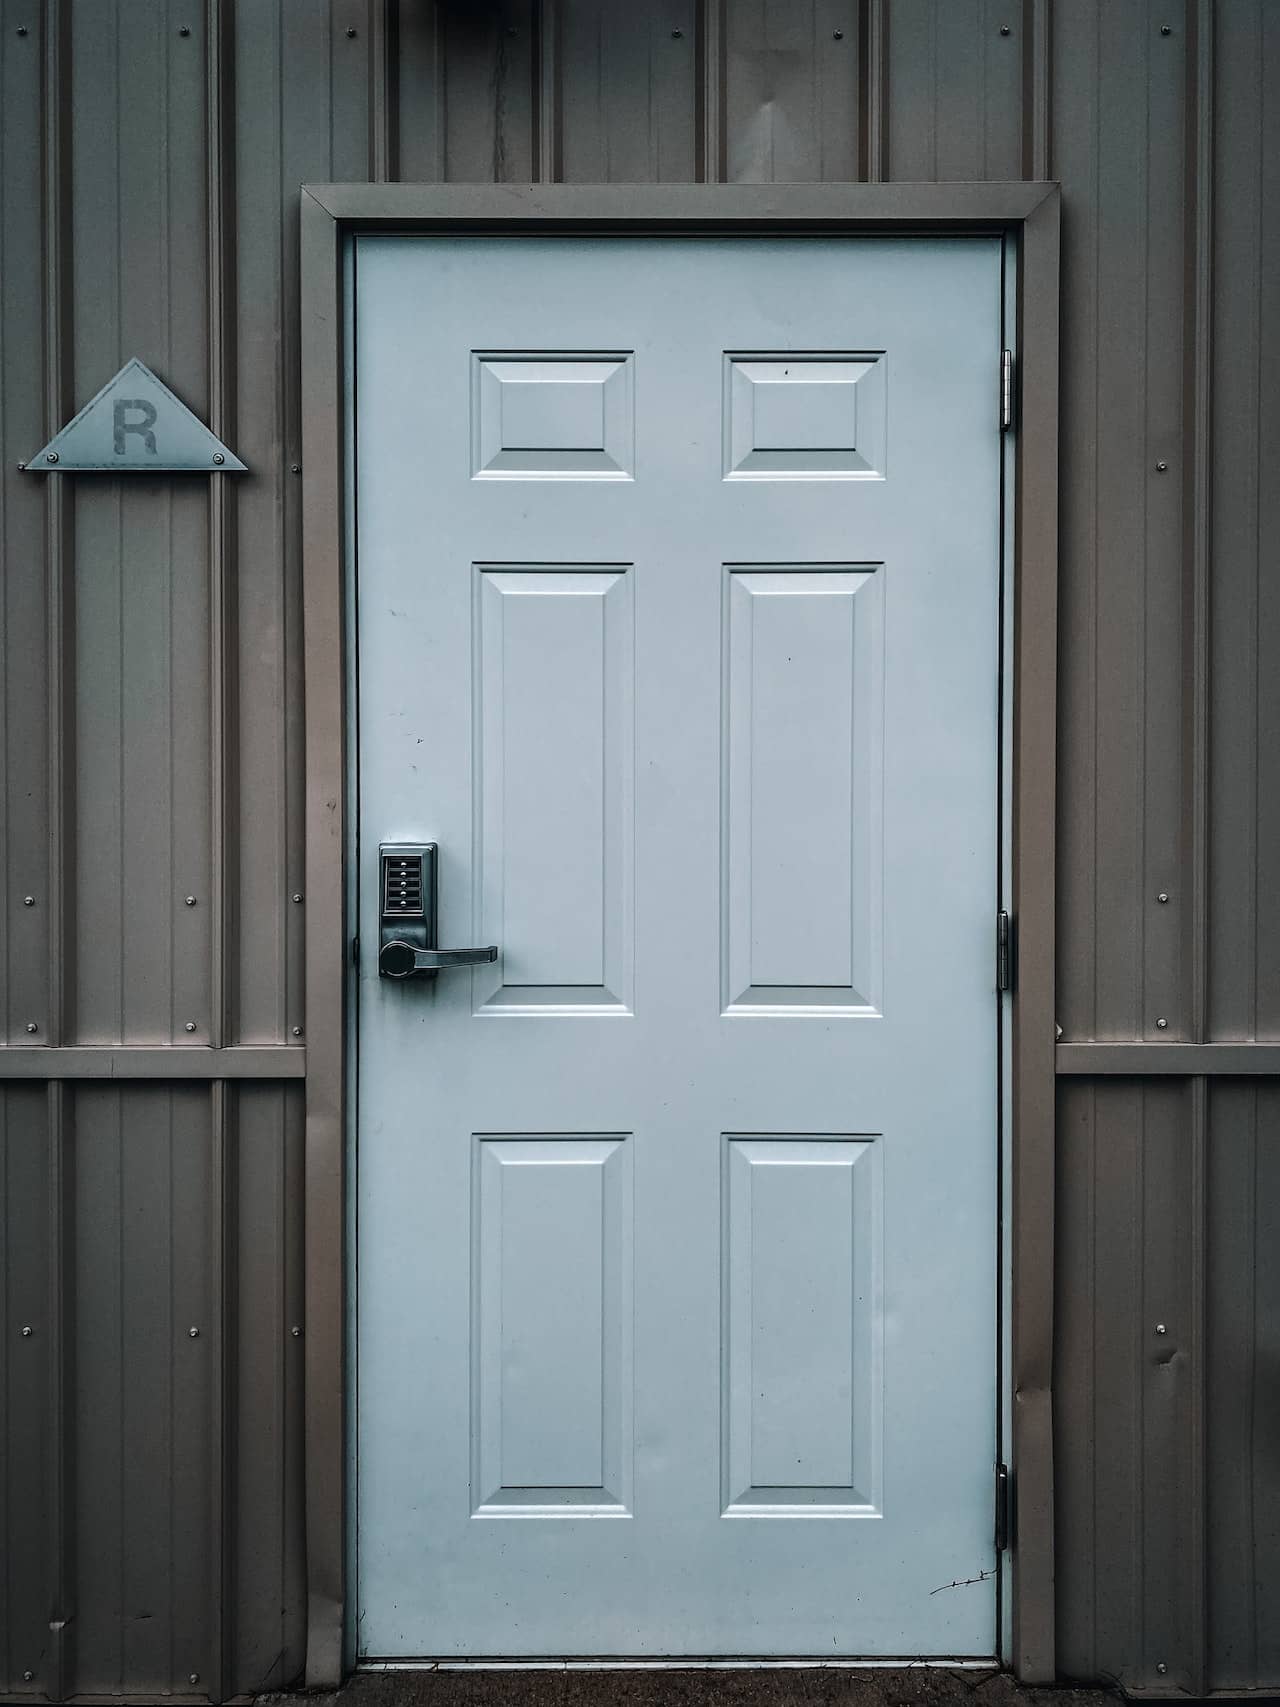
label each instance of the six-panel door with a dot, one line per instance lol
(677, 592)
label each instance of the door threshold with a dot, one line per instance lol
(728, 1662)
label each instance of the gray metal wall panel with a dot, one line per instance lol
(142, 1414)
(142, 785)
(182, 771)
(1124, 1392)
(1244, 1384)
(1244, 866)
(790, 102)
(1119, 148)
(631, 78)
(955, 89)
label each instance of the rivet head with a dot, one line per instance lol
(1162, 1025)
(1161, 1667)
(22, 30)
(190, 1025)
(185, 30)
(27, 1675)
(218, 457)
(295, 468)
(676, 34)
(32, 1028)
(297, 899)
(837, 35)
(350, 31)
(1162, 468)
(194, 1677)
(51, 456)
(193, 1333)
(1163, 897)
(1161, 1329)
(1165, 30)
(297, 1031)
(1004, 30)
(27, 1333)
(296, 1332)
(28, 900)
(190, 900)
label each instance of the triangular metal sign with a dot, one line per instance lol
(135, 425)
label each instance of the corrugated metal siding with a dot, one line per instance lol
(152, 739)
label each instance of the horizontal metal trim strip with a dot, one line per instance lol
(1187, 1060)
(669, 207)
(147, 1061)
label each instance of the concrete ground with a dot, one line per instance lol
(914, 1686)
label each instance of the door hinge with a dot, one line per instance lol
(1003, 1508)
(1004, 951)
(1006, 390)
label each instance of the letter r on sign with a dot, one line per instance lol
(143, 425)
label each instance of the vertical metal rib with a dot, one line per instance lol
(549, 155)
(710, 57)
(1199, 498)
(1037, 144)
(219, 157)
(384, 127)
(59, 631)
(875, 91)
(59, 612)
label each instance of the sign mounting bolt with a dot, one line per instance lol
(190, 1025)
(28, 900)
(51, 456)
(1162, 1025)
(1162, 468)
(1161, 1329)
(32, 1028)
(193, 1333)
(27, 1332)
(190, 900)
(1163, 897)
(218, 457)
(297, 900)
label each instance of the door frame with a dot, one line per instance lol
(1028, 216)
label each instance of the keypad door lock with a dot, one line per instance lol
(407, 915)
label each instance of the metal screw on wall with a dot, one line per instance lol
(194, 1677)
(190, 900)
(1163, 897)
(1162, 1025)
(296, 1332)
(1165, 30)
(27, 1675)
(190, 1025)
(27, 1333)
(295, 468)
(51, 456)
(1162, 468)
(1161, 1667)
(837, 35)
(1005, 30)
(22, 30)
(218, 456)
(1161, 1329)
(185, 30)
(297, 900)
(350, 32)
(32, 1028)
(676, 34)
(28, 900)
(193, 1333)
(297, 1031)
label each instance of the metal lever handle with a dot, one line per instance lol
(399, 959)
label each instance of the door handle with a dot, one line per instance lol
(407, 916)
(400, 959)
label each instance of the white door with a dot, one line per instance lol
(677, 617)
